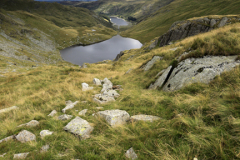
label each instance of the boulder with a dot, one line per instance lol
(44, 133)
(65, 117)
(97, 81)
(7, 138)
(114, 117)
(107, 85)
(159, 82)
(80, 127)
(199, 70)
(25, 136)
(70, 105)
(83, 112)
(223, 22)
(20, 155)
(53, 113)
(150, 63)
(44, 148)
(85, 87)
(213, 22)
(131, 154)
(32, 123)
(146, 118)
(8, 109)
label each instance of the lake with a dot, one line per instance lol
(106, 50)
(118, 21)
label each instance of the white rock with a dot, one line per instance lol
(103, 99)
(32, 123)
(114, 117)
(80, 127)
(143, 117)
(83, 112)
(107, 85)
(25, 136)
(85, 87)
(131, 154)
(8, 109)
(97, 81)
(65, 117)
(3, 155)
(53, 113)
(7, 138)
(44, 133)
(111, 93)
(20, 155)
(44, 148)
(70, 105)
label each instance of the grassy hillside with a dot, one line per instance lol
(197, 121)
(160, 21)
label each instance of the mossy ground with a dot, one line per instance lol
(208, 127)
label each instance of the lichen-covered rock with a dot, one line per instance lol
(8, 109)
(83, 112)
(25, 136)
(111, 93)
(97, 81)
(114, 117)
(44, 148)
(85, 87)
(53, 113)
(151, 63)
(131, 154)
(80, 127)
(103, 99)
(146, 118)
(202, 70)
(70, 105)
(7, 138)
(44, 133)
(20, 155)
(65, 117)
(159, 82)
(32, 123)
(107, 85)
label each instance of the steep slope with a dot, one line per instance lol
(179, 10)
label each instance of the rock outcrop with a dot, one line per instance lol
(80, 127)
(119, 56)
(150, 63)
(183, 29)
(159, 82)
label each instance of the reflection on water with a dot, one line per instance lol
(100, 51)
(118, 21)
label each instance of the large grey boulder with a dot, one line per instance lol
(159, 82)
(97, 81)
(20, 155)
(80, 127)
(25, 136)
(70, 105)
(8, 109)
(131, 154)
(85, 87)
(150, 63)
(7, 138)
(199, 70)
(32, 123)
(114, 117)
(143, 117)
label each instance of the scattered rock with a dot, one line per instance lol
(80, 127)
(65, 117)
(142, 117)
(114, 117)
(8, 109)
(44, 133)
(119, 56)
(131, 154)
(25, 136)
(44, 148)
(97, 81)
(7, 138)
(202, 70)
(32, 123)
(150, 63)
(111, 93)
(70, 105)
(53, 113)
(20, 155)
(159, 82)
(103, 99)
(83, 112)
(85, 87)
(3, 155)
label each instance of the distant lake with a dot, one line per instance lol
(106, 50)
(118, 21)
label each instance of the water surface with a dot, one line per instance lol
(106, 50)
(118, 21)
